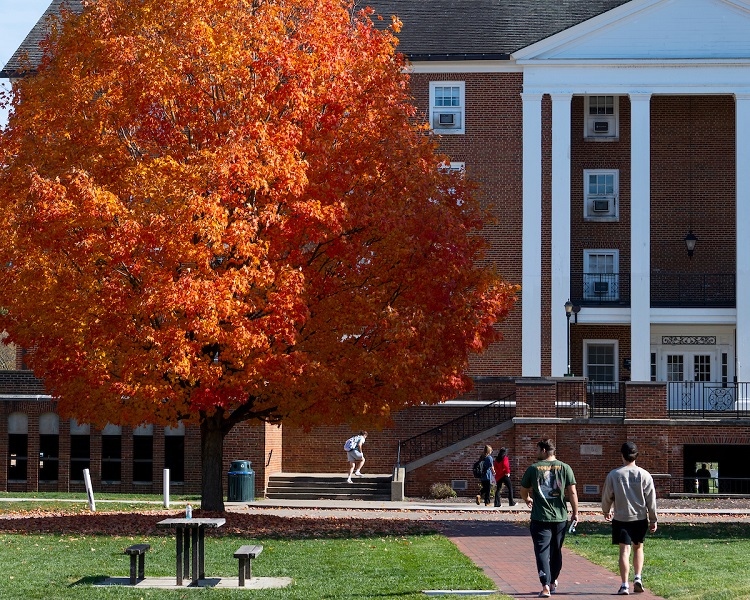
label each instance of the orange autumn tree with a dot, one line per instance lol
(224, 211)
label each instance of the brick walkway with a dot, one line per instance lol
(505, 553)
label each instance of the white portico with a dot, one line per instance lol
(639, 50)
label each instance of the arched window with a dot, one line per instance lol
(143, 454)
(80, 449)
(174, 452)
(49, 446)
(18, 446)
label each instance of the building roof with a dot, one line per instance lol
(433, 29)
(455, 29)
(29, 53)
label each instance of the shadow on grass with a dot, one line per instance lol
(679, 531)
(91, 580)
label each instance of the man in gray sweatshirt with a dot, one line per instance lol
(629, 501)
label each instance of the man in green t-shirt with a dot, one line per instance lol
(544, 487)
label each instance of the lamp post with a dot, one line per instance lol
(690, 240)
(568, 312)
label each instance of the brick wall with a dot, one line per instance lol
(492, 151)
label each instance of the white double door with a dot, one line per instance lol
(697, 379)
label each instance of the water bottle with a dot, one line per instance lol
(573, 525)
(188, 512)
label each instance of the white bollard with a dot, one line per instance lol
(166, 488)
(89, 489)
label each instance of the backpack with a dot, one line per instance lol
(478, 468)
(351, 443)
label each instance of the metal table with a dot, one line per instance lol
(190, 538)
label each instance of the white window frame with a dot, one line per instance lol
(611, 216)
(589, 131)
(587, 272)
(616, 358)
(459, 111)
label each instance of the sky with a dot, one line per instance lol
(17, 17)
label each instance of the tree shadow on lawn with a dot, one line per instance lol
(261, 526)
(680, 531)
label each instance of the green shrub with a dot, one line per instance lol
(438, 491)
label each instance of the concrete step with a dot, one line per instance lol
(305, 486)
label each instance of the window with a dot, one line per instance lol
(601, 279)
(112, 454)
(601, 361)
(18, 446)
(49, 446)
(452, 167)
(7, 354)
(601, 118)
(600, 190)
(143, 454)
(447, 106)
(80, 450)
(174, 452)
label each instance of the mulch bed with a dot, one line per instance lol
(259, 526)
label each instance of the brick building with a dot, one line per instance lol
(612, 141)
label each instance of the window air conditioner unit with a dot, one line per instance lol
(447, 120)
(601, 205)
(601, 288)
(601, 126)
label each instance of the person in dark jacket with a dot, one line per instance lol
(488, 477)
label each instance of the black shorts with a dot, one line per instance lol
(629, 532)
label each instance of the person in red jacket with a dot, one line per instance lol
(502, 473)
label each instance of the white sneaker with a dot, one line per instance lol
(358, 474)
(349, 480)
(638, 585)
(623, 591)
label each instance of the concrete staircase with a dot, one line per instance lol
(314, 486)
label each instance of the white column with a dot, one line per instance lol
(742, 226)
(560, 292)
(640, 237)
(531, 282)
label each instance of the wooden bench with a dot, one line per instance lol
(246, 554)
(137, 552)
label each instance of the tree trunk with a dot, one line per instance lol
(212, 458)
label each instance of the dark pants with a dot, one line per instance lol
(504, 480)
(548, 539)
(485, 491)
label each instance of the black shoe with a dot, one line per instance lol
(512, 503)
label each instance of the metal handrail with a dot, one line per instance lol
(454, 431)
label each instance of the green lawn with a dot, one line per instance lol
(64, 566)
(703, 561)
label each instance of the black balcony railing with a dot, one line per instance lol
(716, 290)
(693, 289)
(708, 399)
(587, 289)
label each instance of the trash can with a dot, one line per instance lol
(241, 482)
